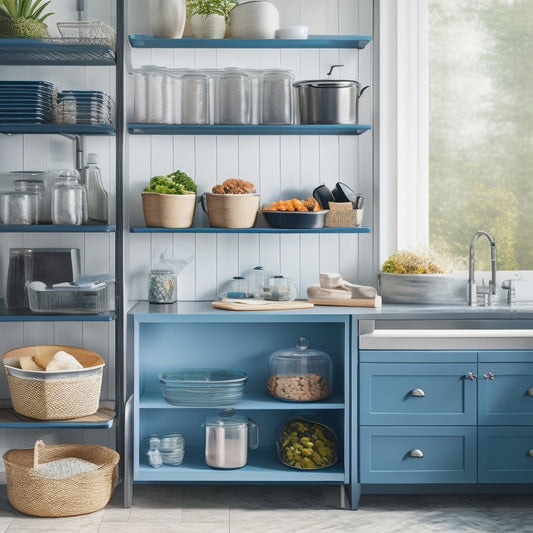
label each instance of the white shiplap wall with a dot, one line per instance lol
(280, 167)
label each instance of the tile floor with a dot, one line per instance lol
(282, 509)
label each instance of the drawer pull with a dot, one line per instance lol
(488, 375)
(419, 393)
(530, 453)
(530, 392)
(416, 453)
(471, 376)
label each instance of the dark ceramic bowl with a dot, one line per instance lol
(323, 196)
(343, 193)
(296, 219)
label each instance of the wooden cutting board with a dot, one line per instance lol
(348, 302)
(267, 306)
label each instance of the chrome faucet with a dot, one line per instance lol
(483, 290)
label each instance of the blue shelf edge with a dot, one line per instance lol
(57, 228)
(6, 316)
(72, 129)
(43, 52)
(313, 41)
(245, 129)
(10, 419)
(351, 229)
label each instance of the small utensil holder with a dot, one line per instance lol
(343, 214)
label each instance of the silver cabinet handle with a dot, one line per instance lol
(488, 375)
(530, 392)
(416, 453)
(471, 376)
(419, 393)
(530, 453)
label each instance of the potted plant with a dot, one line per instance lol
(23, 19)
(170, 201)
(209, 17)
(421, 277)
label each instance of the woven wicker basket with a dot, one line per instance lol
(55, 395)
(31, 493)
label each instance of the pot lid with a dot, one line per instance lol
(228, 417)
(300, 350)
(334, 84)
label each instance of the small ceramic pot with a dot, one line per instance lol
(208, 26)
(167, 18)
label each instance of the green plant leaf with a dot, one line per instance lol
(10, 7)
(36, 14)
(34, 9)
(23, 8)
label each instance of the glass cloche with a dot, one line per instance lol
(300, 374)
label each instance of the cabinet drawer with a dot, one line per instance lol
(391, 455)
(421, 394)
(418, 455)
(504, 455)
(505, 394)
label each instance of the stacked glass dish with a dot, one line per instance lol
(169, 449)
(85, 107)
(27, 102)
(203, 387)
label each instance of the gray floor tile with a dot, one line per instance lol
(284, 509)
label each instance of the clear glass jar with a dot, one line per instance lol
(194, 97)
(162, 286)
(19, 208)
(299, 374)
(277, 96)
(69, 199)
(233, 97)
(45, 201)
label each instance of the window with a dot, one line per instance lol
(456, 127)
(480, 73)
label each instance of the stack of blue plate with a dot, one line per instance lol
(27, 102)
(203, 387)
(85, 107)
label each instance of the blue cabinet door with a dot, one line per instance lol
(421, 394)
(505, 455)
(505, 394)
(418, 454)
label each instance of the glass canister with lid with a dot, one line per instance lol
(300, 374)
(69, 199)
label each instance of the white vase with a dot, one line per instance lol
(208, 26)
(167, 18)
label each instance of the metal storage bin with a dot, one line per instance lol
(73, 299)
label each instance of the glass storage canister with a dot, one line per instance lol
(44, 198)
(277, 96)
(194, 97)
(162, 286)
(69, 199)
(299, 374)
(233, 97)
(19, 208)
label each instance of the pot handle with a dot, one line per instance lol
(203, 202)
(363, 89)
(253, 434)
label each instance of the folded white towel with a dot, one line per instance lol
(330, 281)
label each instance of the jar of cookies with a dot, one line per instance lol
(300, 374)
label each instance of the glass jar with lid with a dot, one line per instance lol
(38, 187)
(69, 199)
(300, 374)
(233, 97)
